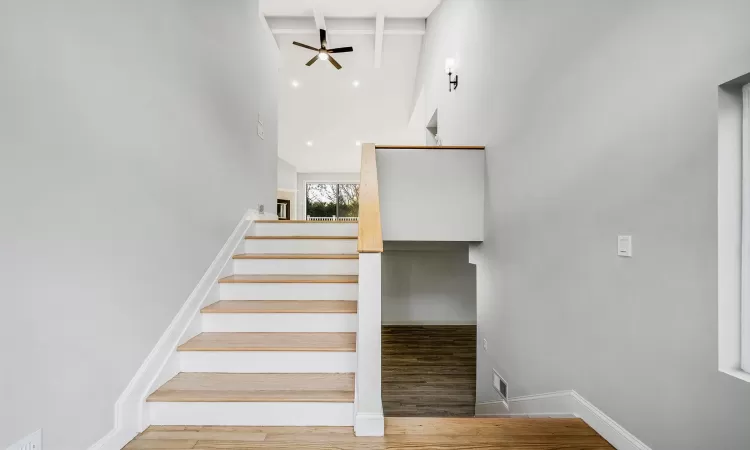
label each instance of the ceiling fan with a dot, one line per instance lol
(323, 52)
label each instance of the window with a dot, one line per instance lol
(745, 265)
(332, 200)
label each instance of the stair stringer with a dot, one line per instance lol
(162, 363)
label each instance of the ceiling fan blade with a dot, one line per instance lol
(323, 41)
(341, 50)
(310, 63)
(304, 46)
(334, 62)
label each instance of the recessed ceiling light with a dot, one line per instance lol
(357, 143)
(309, 143)
(295, 83)
(355, 83)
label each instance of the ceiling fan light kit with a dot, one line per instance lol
(323, 52)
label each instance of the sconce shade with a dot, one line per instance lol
(450, 65)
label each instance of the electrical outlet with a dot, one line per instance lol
(30, 442)
(484, 344)
(260, 119)
(262, 209)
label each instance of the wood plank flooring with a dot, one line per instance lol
(300, 237)
(429, 371)
(257, 387)
(290, 279)
(282, 306)
(401, 433)
(296, 256)
(271, 342)
(316, 222)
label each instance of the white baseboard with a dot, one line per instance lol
(366, 424)
(564, 404)
(610, 430)
(554, 404)
(161, 364)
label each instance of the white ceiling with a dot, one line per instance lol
(325, 108)
(349, 8)
(329, 111)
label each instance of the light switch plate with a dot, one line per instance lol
(484, 344)
(625, 246)
(261, 132)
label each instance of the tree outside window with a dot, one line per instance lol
(332, 199)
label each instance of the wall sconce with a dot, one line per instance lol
(450, 66)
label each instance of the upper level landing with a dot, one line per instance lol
(422, 193)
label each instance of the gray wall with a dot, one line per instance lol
(428, 283)
(416, 202)
(287, 175)
(600, 118)
(129, 154)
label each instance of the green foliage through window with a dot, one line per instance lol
(332, 200)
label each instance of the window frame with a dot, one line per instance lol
(337, 183)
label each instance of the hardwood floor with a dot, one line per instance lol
(401, 433)
(429, 371)
(290, 279)
(296, 256)
(257, 387)
(271, 342)
(281, 306)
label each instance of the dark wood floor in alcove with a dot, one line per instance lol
(429, 371)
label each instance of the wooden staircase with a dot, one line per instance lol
(279, 347)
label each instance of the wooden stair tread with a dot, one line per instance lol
(290, 279)
(306, 221)
(271, 342)
(282, 306)
(296, 256)
(259, 396)
(257, 387)
(300, 237)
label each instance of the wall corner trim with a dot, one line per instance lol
(131, 415)
(564, 404)
(369, 424)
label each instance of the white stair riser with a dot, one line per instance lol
(335, 246)
(306, 229)
(296, 266)
(280, 323)
(268, 362)
(252, 414)
(288, 291)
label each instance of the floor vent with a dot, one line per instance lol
(500, 385)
